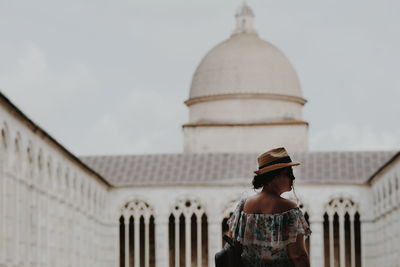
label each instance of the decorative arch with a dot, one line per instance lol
(304, 207)
(49, 171)
(58, 186)
(40, 167)
(229, 207)
(396, 184)
(75, 188)
(40, 160)
(342, 232)
(188, 241)
(95, 199)
(81, 188)
(29, 152)
(67, 183)
(137, 234)
(17, 155)
(17, 143)
(89, 196)
(29, 167)
(5, 136)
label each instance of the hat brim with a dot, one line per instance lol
(275, 167)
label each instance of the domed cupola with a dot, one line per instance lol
(245, 96)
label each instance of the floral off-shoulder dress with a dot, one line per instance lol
(265, 236)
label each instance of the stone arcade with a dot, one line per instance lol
(170, 210)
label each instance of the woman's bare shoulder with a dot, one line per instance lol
(258, 204)
(287, 204)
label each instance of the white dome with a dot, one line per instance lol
(245, 64)
(245, 93)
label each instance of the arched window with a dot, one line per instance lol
(17, 157)
(58, 183)
(40, 160)
(307, 217)
(29, 166)
(29, 153)
(49, 181)
(137, 235)
(67, 183)
(4, 138)
(188, 240)
(342, 233)
(17, 143)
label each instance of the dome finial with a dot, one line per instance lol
(244, 20)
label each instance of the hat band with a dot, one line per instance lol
(286, 159)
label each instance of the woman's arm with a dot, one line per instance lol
(298, 252)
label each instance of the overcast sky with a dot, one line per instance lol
(110, 77)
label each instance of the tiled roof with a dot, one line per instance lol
(227, 168)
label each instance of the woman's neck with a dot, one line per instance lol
(271, 192)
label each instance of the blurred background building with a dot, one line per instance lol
(57, 209)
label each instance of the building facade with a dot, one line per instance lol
(170, 210)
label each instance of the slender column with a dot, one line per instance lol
(146, 241)
(397, 237)
(17, 220)
(49, 231)
(2, 212)
(68, 235)
(161, 240)
(30, 226)
(317, 241)
(214, 238)
(46, 221)
(39, 229)
(331, 244)
(177, 247)
(377, 236)
(34, 227)
(137, 239)
(198, 223)
(117, 229)
(57, 233)
(383, 258)
(188, 241)
(392, 234)
(7, 220)
(126, 222)
(352, 239)
(26, 224)
(342, 248)
(75, 239)
(392, 237)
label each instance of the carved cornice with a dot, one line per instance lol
(273, 123)
(200, 99)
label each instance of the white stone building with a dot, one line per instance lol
(60, 210)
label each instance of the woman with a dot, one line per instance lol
(270, 228)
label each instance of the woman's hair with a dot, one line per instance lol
(260, 180)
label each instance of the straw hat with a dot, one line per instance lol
(274, 159)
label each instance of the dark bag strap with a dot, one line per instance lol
(228, 240)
